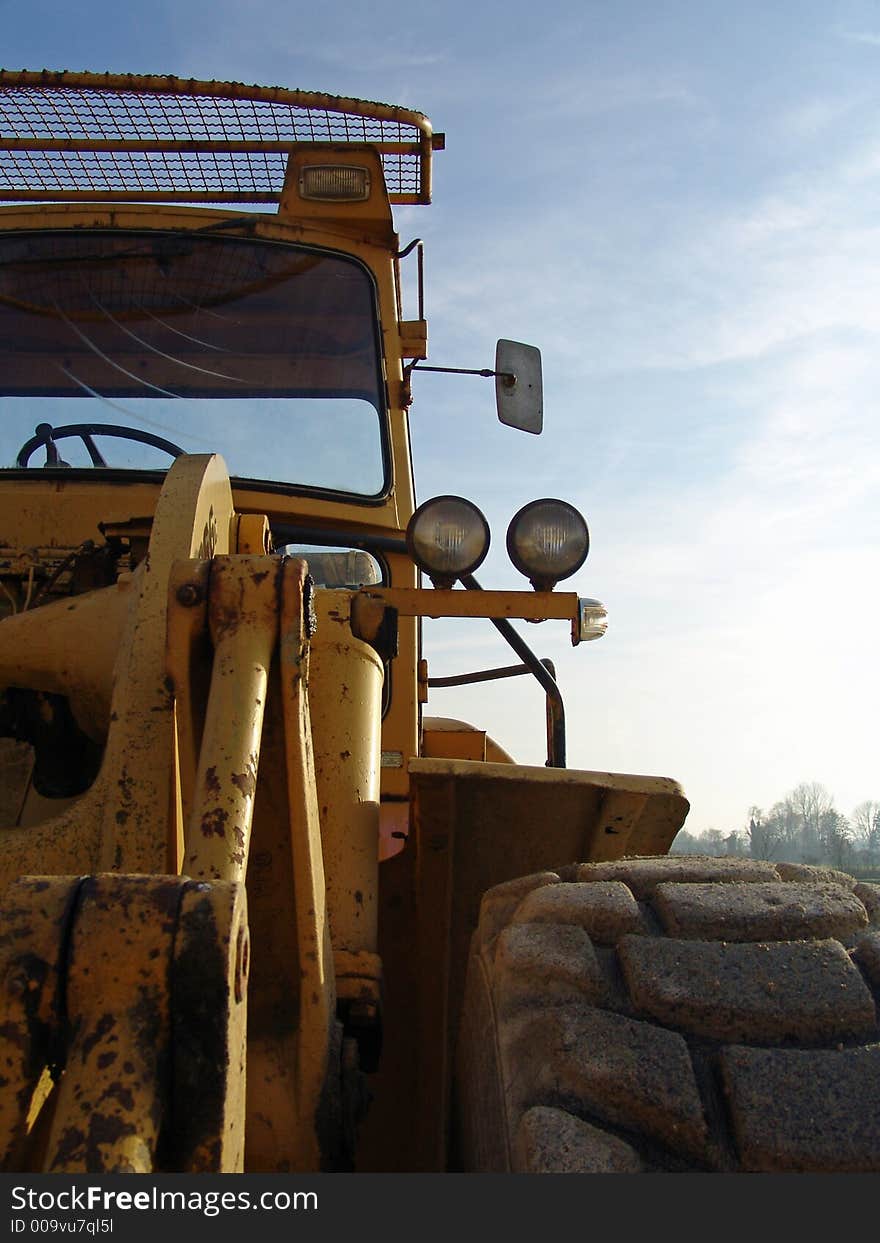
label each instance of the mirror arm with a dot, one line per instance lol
(485, 372)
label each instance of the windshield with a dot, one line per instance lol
(264, 352)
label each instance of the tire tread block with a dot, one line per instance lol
(644, 875)
(773, 993)
(609, 1068)
(499, 903)
(869, 894)
(765, 911)
(606, 910)
(812, 873)
(551, 1141)
(805, 1110)
(565, 1062)
(555, 961)
(867, 955)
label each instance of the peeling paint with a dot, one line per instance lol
(118, 1092)
(214, 822)
(246, 782)
(104, 1026)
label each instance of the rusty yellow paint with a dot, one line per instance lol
(125, 821)
(418, 602)
(345, 697)
(292, 1010)
(209, 1041)
(112, 1097)
(54, 649)
(35, 917)
(243, 608)
(317, 992)
(189, 668)
(250, 534)
(621, 826)
(95, 970)
(359, 980)
(524, 817)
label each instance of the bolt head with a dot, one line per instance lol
(189, 594)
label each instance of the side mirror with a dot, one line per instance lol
(519, 392)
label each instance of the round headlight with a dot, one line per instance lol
(547, 541)
(447, 537)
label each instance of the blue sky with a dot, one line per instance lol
(678, 203)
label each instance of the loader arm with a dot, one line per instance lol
(132, 923)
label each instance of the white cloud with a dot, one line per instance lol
(861, 36)
(810, 119)
(583, 94)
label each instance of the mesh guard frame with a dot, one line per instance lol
(128, 138)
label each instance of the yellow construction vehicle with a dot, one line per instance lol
(260, 911)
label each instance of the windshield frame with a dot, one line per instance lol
(119, 474)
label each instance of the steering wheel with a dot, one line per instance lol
(46, 435)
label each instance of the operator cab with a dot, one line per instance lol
(156, 343)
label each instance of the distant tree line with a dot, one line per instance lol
(804, 827)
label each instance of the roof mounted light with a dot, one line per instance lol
(548, 540)
(447, 537)
(334, 183)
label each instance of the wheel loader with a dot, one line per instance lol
(261, 911)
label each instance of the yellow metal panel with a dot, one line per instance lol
(372, 215)
(454, 744)
(106, 985)
(208, 1047)
(243, 611)
(345, 694)
(316, 984)
(69, 647)
(112, 1096)
(35, 920)
(127, 819)
(421, 602)
(547, 816)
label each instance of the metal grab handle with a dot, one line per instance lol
(555, 706)
(554, 702)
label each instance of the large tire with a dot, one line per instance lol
(672, 1014)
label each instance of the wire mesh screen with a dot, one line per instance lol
(87, 136)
